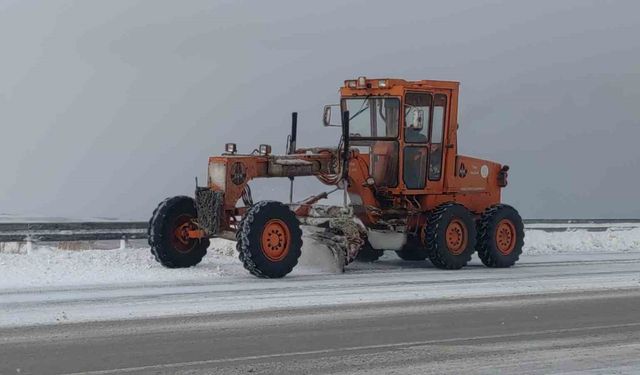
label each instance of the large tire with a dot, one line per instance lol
(167, 246)
(412, 250)
(500, 236)
(368, 254)
(269, 240)
(450, 236)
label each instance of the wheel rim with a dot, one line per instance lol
(505, 237)
(456, 237)
(180, 234)
(276, 239)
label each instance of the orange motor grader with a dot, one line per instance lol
(405, 188)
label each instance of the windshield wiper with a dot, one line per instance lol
(361, 107)
(359, 112)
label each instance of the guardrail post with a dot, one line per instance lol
(124, 243)
(29, 244)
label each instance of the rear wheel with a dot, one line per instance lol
(450, 235)
(500, 236)
(168, 233)
(269, 239)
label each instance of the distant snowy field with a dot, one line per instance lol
(50, 267)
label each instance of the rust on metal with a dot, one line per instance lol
(179, 235)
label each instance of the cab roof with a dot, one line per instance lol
(353, 86)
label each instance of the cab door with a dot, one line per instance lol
(437, 142)
(423, 154)
(417, 111)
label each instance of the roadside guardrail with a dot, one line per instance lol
(72, 231)
(128, 230)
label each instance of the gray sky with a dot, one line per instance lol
(107, 107)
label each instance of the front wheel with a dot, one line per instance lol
(168, 233)
(269, 240)
(500, 236)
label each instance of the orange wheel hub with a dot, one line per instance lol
(456, 237)
(276, 240)
(505, 237)
(180, 235)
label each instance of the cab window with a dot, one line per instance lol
(372, 117)
(413, 103)
(437, 136)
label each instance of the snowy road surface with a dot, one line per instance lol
(392, 280)
(572, 305)
(565, 333)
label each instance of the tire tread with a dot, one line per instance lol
(433, 232)
(486, 224)
(259, 267)
(160, 249)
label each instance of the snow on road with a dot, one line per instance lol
(47, 286)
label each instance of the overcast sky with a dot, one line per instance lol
(107, 107)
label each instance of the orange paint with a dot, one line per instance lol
(275, 240)
(456, 237)
(505, 236)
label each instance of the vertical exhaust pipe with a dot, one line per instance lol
(345, 155)
(292, 147)
(294, 132)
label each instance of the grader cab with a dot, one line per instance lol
(405, 189)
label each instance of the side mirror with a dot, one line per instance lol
(326, 114)
(418, 119)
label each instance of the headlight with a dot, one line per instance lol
(230, 148)
(362, 82)
(264, 149)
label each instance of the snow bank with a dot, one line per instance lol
(46, 266)
(540, 242)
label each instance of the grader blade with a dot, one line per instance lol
(342, 234)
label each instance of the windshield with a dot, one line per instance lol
(372, 117)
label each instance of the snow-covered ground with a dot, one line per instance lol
(44, 266)
(50, 286)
